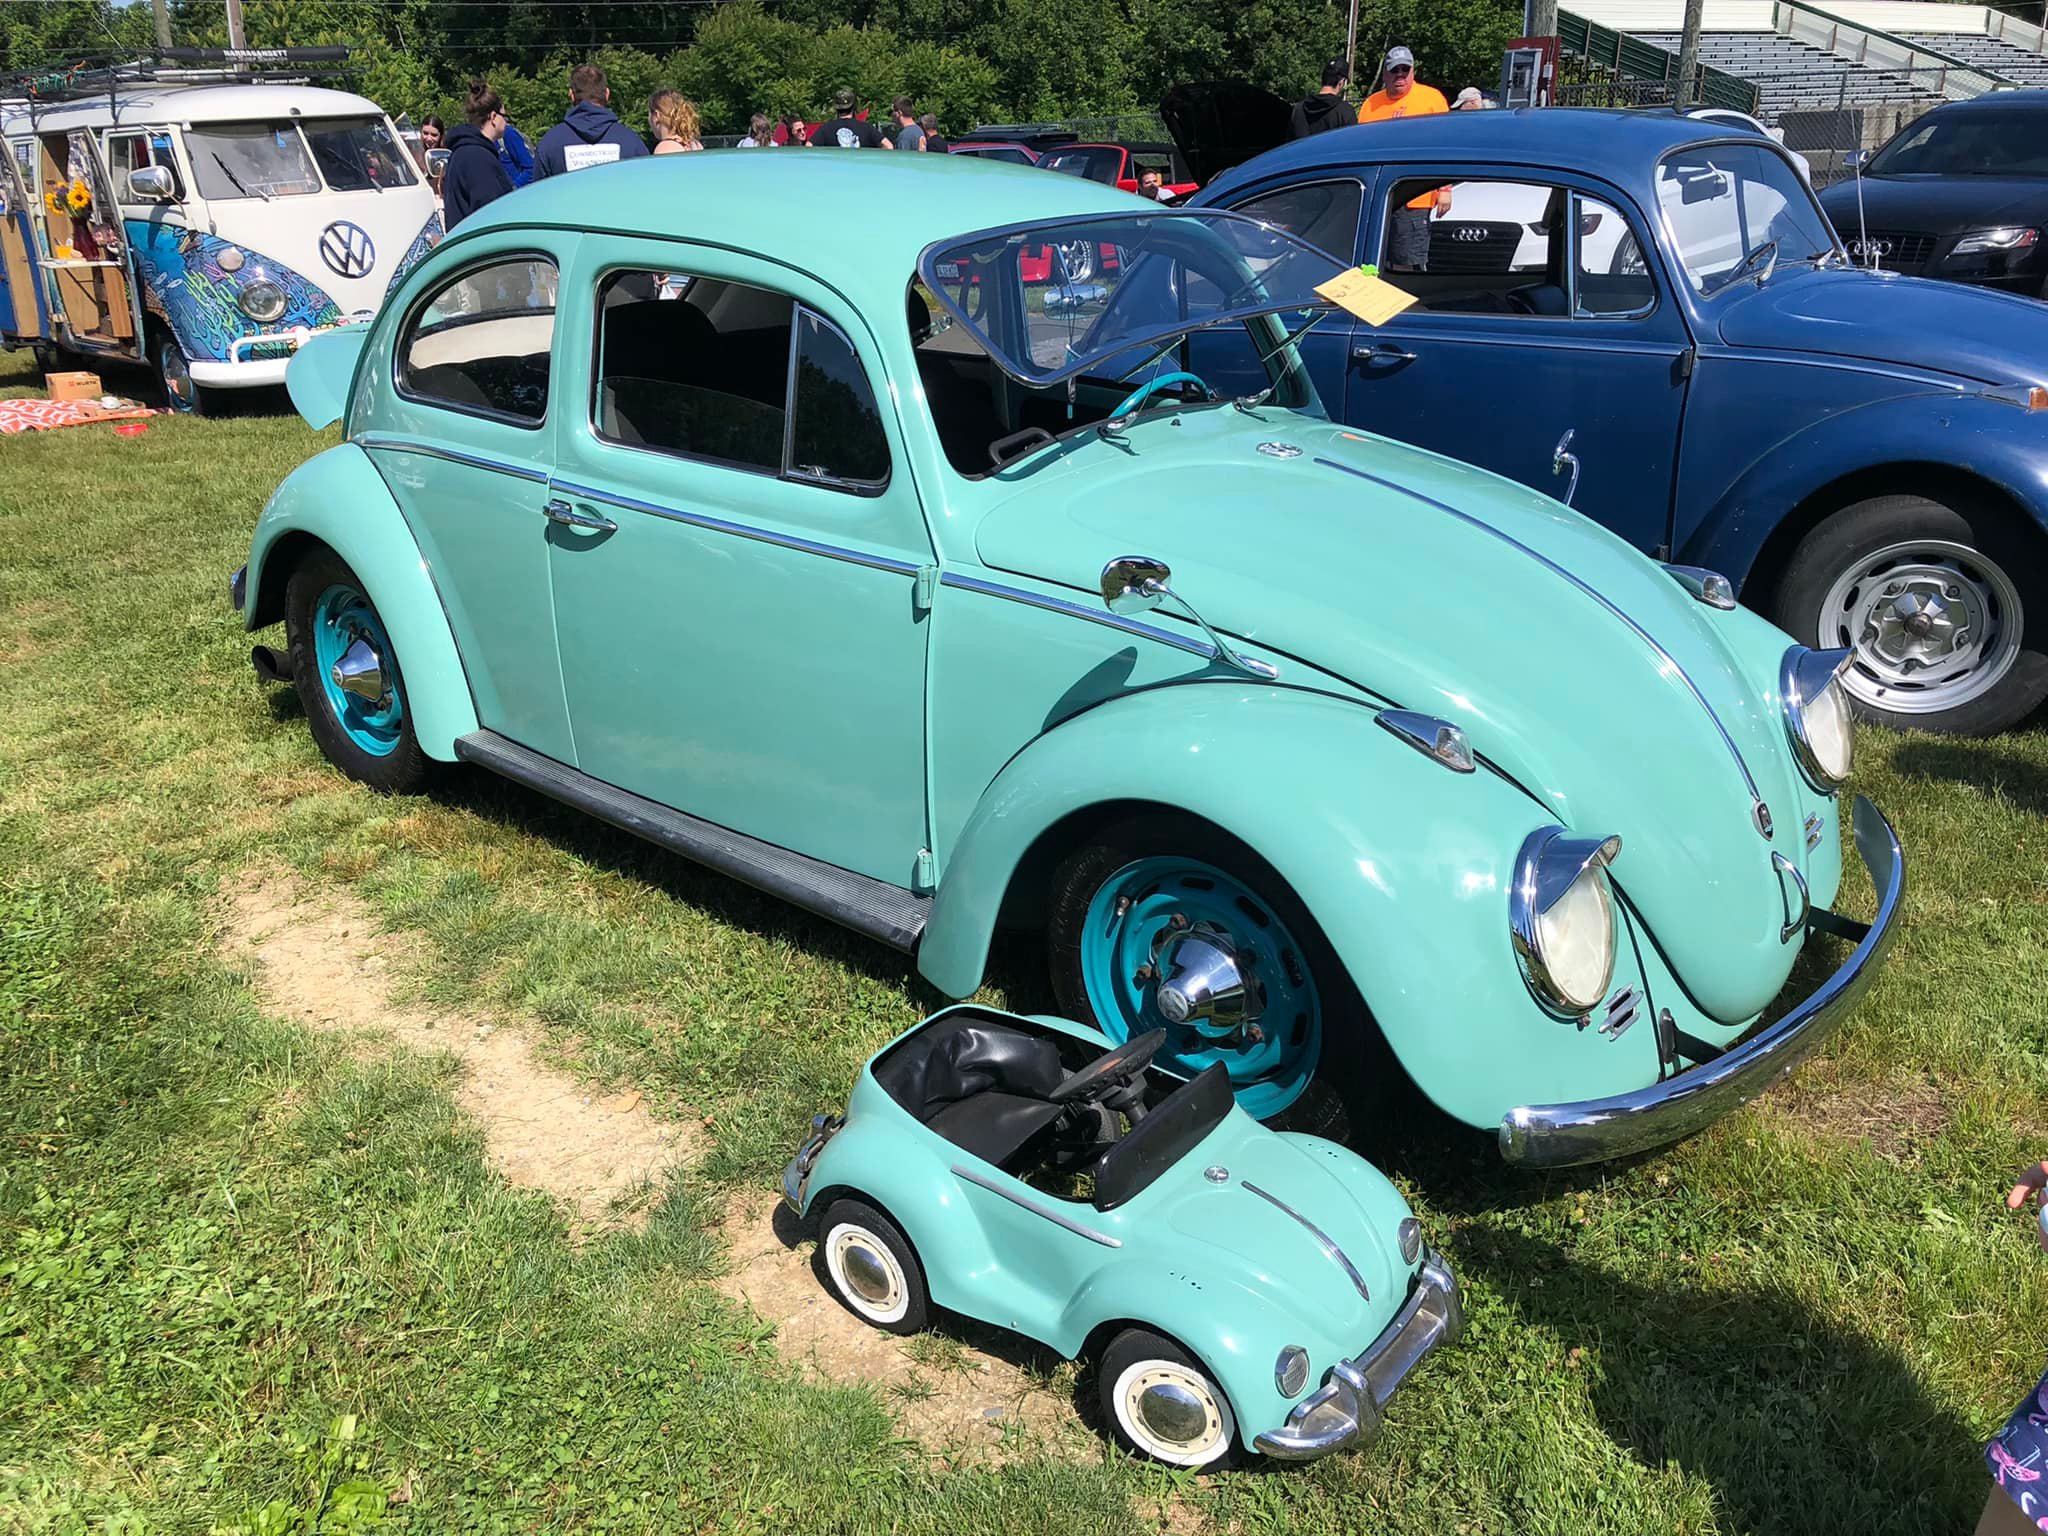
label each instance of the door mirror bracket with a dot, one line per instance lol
(1138, 583)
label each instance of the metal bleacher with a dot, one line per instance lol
(2022, 66)
(1791, 75)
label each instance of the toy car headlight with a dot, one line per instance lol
(262, 301)
(1561, 913)
(1817, 713)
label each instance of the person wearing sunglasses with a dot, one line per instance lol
(1402, 95)
(475, 176)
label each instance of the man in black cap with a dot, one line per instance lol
(1326, 109)
(847, 131)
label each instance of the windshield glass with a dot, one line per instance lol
(356, 153)
(250, 160)
(1966, 144)
(1725, 202)
(1094, 164)
(1050, 301)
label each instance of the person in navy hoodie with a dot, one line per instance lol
(591, 134)
(474, 176)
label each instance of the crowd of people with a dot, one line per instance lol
(1400, 94)
(487, 156)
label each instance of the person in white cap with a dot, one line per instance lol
(1402, 95)
(1468, 100)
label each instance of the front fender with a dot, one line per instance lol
(1404, 864)
(2000, 444)
(337, 498)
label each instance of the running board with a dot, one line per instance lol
(874, 907)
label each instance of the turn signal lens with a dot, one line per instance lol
(2028, 397)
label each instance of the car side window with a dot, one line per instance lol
(1324, 213)
(835, 432)
(132, 151)
(1611, 280)
(482, 343)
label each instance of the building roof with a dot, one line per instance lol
(858, 219)
(146, 102)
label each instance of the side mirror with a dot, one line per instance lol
(1134, 583)
(1856, 159)
(437, 161)
(150, 184)
(1562, 458)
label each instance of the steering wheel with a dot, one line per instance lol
(1151, 387)
(1104, 1074)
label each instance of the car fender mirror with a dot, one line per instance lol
(149, 183)
(1134, 583)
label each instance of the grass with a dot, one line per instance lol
(252, 1281)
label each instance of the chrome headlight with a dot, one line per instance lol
(1290, 1371)
(262, 301)
(2010, 237)
(1561, 912)
(1817, 714)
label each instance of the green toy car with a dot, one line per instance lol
(1239, 1289)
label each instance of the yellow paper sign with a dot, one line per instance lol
(1372, 299)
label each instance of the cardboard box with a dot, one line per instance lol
(73, 386)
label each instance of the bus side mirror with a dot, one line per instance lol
(150, 184)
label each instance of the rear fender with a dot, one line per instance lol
(338, 499)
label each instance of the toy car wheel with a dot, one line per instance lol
(1152, 903)
(174, 375)
(872, 1267)
(1942, 605)
(1160, 1402)
(347, 675)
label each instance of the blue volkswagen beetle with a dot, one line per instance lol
(1864, 455)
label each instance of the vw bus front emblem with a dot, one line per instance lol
(347, 250)
(1280, 450)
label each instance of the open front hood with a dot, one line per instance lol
(1219, 124)
(1606, 692)
(1949, 328)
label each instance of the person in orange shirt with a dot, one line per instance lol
(1402, 95)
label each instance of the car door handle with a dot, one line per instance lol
(561, 512)
(1382, 352)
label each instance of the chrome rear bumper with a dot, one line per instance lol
(1559, 1135)
(1345, 1409)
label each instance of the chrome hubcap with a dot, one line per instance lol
(360, 672)
(1172, 1412)
(1933, 623)
(1205, 981)
(866, 1273)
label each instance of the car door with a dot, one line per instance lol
(737, 562)
(465, 442)
(1327, 212)
(1537, 313)
(22, 309)
(156, 227)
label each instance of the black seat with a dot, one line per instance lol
(967, 1055)
(1162, 1138)
(995, 1126)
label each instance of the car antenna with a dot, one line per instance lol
(1862, 224)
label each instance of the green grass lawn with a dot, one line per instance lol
(253, 1278)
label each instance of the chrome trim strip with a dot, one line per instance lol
(1559, 1135)
(1036, 1209)
(394, 444)
(1318, 1234)
(1756, 797)
(1814, 827)
(1051, 604)
(743, 530)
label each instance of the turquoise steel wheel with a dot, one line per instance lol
(347, 674)
(1166, 926)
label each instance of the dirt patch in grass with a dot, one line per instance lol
(1895, 1117)
(966, 1392)
(321, 958)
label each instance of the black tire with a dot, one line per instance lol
(1356, 1078)
(167, 358)
(866, 1261)
(1138, 1357)
(403, 770)
(1819, 599)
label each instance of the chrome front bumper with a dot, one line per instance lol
(1345, 1409)
(796, 1178)
(1559, 1135)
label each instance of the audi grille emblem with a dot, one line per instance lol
(1870, 247)
(1469, 232)
(347, 250)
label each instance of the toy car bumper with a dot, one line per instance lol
(796, 1178)
(1345, 1409)
(1559, 1135)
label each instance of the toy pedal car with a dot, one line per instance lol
(1239, 1287)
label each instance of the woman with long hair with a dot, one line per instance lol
(672, 118)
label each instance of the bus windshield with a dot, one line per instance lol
(263, 160)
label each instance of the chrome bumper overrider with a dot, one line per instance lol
(1345, 1409)
(1559, 1135)
(796, 1178)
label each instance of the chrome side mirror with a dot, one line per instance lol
(1856, 159)
(150, 184)
(1134, 583)
(1561, 459)
(1138, 584)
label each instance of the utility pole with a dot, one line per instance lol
(235, 37)
(163, 22)
(1541, 19)
(1688, 55)
(1351, 39)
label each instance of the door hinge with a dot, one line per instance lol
(924, 874)
(927, 587)
(1683, 368)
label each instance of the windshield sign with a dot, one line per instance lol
(1734, 208)
(1052, 300)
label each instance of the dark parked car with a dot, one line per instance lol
(1959, 194)
(1863, 455)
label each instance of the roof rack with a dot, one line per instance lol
(106, 75)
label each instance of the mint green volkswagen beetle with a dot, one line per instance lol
(798, 513)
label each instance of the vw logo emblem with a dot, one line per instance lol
(347, 250)
(1469, 232)
(1280, 450)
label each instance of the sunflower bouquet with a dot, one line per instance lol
(73, 201)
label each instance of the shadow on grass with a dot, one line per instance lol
(1990, 766)
(1799, 1425)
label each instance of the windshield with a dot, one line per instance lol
(1725, 202)
(1052, 300)
(1966, 144)
(1094, 164)
(355, 153)
(250, 160)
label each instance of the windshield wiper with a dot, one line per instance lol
(231, 176)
